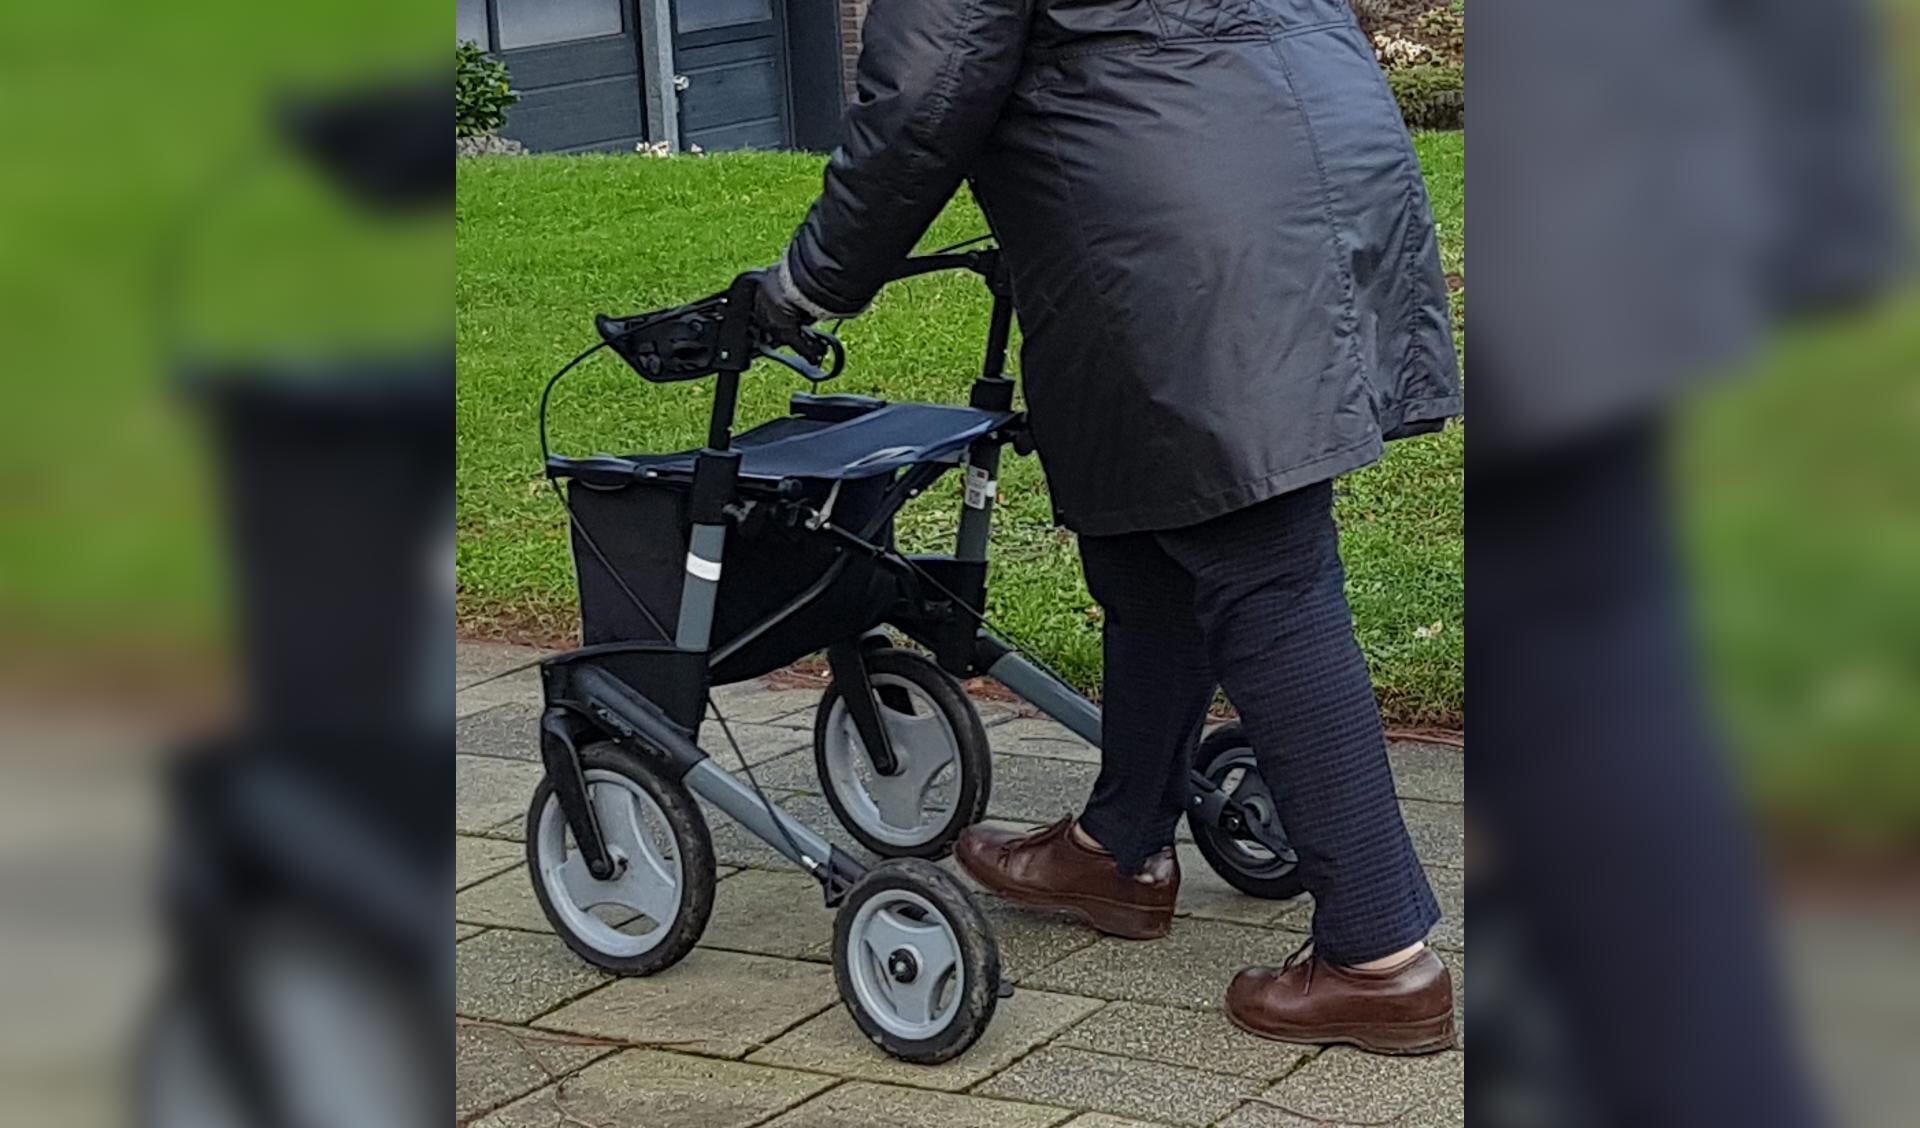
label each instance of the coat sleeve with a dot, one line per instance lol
(932, 78)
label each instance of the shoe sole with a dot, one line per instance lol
(1410, 1039)
(1103, 915)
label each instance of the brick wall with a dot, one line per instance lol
(852, 13)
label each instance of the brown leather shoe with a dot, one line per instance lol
(1048, 869)
(1400, 1010)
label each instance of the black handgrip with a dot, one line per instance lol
(714, 335)
(601, 471)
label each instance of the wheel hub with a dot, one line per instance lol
(903, 966)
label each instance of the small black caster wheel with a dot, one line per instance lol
(651, 912)
(915, 961)
(944, 764)
(1255, 857)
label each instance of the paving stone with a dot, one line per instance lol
(1102, 1120)
(474, 659)
(1190, 968)
(489, 792)
(496, 1064)
(831, 1043)
(476, 859)
(510, 830)
(1434, 772)
(994, 713)
(507, 976)
(1439, 832)
(508, 732)
(771, 913)
(1204, 893)
(463, 931)
(758, 743)
(1344, 1086)
(1450, 889)
(863, 1105)
(473, 662)
(661, 1090)
(1032, 939)
(792, 771)
(504, 901)
(1085, 1080)
(712, 1002)
(755, 702)
(1043, 737)
(1035, 789)
(734, 846)
(1195, 1039)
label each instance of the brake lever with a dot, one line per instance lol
(804, 367)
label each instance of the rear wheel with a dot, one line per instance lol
(944, 766)
(1257, 859)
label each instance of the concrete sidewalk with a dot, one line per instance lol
(748, 1030)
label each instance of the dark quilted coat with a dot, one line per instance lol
(1223, 259)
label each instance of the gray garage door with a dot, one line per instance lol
(576, 64)
(732, 56)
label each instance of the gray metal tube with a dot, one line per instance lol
(1049, 695)
(976, 517)
(705, 548)
(761, 818)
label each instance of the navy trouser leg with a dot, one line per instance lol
(1598, 778)
(1269, 595)
(1156, 689)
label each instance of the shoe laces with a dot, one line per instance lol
(1304, 951)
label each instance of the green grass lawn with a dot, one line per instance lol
(546, 242)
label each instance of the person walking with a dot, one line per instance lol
(1229, 289)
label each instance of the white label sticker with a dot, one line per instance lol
(980, 488)
(702, 568)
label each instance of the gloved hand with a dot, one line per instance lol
(778, 307)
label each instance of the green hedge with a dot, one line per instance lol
(482, 91)
(1431, 95)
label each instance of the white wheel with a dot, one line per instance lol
(915, 961)
(944, 762)
(654, 907)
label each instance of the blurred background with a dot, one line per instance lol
(1693, 389)
(1693, 540)
(225, 578)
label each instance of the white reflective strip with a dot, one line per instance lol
(705, 569)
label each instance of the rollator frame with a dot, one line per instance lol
(587, 697)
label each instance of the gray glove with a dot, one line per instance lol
(779, 306)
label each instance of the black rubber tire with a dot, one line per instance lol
(690, 837)
(975, 768)
(1225, 748)
(979, 958)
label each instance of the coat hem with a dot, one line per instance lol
(1421, 416)
(1193, 511)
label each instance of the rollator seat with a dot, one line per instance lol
(846, 448)
(835, 443)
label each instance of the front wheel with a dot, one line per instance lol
(651, 912)
(1256, 859)
(944, 766)
(915, 961)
